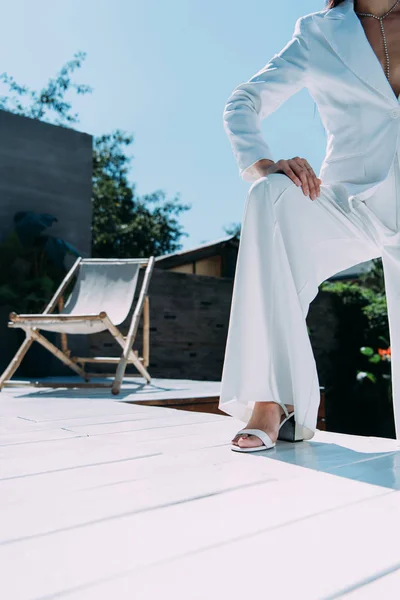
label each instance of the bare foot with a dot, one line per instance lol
(266, 416)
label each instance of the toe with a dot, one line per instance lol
(249, 441)
(238, 436)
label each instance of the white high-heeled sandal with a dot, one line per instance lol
(289, 431)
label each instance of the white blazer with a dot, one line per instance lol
(331, 56)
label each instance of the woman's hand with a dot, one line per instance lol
(298, 170)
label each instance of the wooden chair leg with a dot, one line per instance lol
(125, 358)
(146, 332)
(16, 361)
(60, 355)
(130, 338)
(127, 355)
(63, 336)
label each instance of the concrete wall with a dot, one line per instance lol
(46, 168)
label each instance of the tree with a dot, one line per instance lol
(32, 262)
(233, 229)
(124, 224)
(48, 101)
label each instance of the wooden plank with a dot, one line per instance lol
(377, 585)
(16, 462)
(326, 457)
(30, 437)
(111, 472)
(215, 533)
(178, 418)
(133, 389)
(153, 496)
(57, 408)
(19, 424)
(380, 470)
(168, 486)
(324, 574)
(199, 401)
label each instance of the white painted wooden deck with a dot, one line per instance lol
(106, 500)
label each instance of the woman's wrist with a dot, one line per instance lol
(263, 165)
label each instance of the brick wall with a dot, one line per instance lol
(189, 317)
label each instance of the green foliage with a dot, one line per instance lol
(367, 296)
(381, 364)
(362, 375)
(125, 225)
(367, 351)
(349, 299)
(48, 104)
(233, 229)
(363, 325)
(375, 358)
(374, 278)
(32, 263)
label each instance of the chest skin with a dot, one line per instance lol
(373, 32)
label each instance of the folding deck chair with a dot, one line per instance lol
(100, 300)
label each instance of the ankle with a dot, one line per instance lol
(267, 409)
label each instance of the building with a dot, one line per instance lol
(218, 259)
(215, 259)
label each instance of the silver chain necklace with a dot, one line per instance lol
(380, 19)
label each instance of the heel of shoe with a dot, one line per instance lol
(290, 431)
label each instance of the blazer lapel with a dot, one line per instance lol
(345, 34)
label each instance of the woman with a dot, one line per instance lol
(298, 228)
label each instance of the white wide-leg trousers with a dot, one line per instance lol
(289, 245)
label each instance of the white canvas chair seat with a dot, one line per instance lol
(101, 286)
(101, 299)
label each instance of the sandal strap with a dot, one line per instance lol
(264, 437)
(285, 410)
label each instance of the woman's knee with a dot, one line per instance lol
(273, 185)
(279, 182)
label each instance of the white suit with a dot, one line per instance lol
(289, 243)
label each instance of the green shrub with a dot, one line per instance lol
(32, 263)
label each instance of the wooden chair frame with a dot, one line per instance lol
(31, 325)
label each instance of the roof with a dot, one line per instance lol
(166, 261)
(354, 271)
(203, 251)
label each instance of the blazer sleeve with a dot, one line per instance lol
(254, 100)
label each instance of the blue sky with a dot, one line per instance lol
(163, 70)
